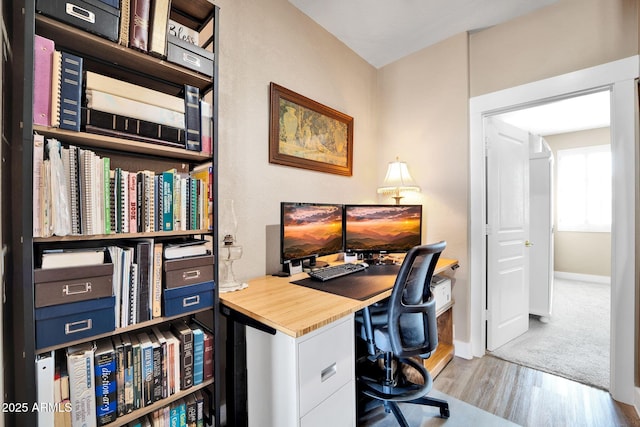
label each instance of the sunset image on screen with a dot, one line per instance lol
(311, 229)
(383, 228)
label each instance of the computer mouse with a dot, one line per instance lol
(364, 264)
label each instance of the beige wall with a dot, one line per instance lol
(424, 121)
(264, 41)
(415, 108)
(567, 36)
(577, 252)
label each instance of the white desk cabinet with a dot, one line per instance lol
(306, 381)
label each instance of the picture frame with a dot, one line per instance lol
(306, 134)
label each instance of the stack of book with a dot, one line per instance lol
(68, 97)
(77, 192)
(96, 382)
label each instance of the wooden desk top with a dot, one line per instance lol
(297, 310)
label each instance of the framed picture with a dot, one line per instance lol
(306, 134)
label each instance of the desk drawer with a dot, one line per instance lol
(325, 363)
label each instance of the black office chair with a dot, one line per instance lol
(400, 335)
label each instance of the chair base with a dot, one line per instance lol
(397, 389)
(393, 407)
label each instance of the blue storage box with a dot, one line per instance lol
(189, 298)
(59, 324)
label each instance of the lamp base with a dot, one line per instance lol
(232, 286)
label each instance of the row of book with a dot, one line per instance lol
(94, 383)
(187, 412)
(76, 192)
(138, 279)
(68, 97)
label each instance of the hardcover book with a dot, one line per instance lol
(82, 385)
(159, 27)
(198, 354)
(185, 336)
(105, 380)
(139, 24)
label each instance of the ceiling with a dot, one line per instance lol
(383, 31)
(568, 115)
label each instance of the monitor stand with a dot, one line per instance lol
(314, 263)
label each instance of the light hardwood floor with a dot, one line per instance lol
(529, 397)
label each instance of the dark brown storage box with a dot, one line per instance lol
(71, 284)
(189, 55)
(188, 271)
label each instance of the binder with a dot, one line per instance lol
(43, 49)
(45, 374)
(70, 91)
(192, 117)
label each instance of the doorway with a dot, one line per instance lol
(619, 77)
(559, 337)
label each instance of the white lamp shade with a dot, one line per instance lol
(398, 179)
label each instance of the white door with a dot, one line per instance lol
(507, 232)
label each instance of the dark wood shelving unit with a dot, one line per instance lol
(22, 23)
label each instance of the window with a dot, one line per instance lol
(584, 189)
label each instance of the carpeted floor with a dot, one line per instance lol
(462, 415)
(575, 342)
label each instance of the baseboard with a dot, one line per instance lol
(582, 277)
(463, 349)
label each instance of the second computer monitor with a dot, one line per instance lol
(376, 229)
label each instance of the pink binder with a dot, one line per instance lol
(42, 66)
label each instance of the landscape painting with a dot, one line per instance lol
(306, 134)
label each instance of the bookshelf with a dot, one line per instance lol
(100, 55)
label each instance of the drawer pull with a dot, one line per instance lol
(77, 288)
(73, 327)
(191, 275)
(189, 301)
(191, 59)
(80, 13)
(328, 372)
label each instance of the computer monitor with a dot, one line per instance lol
(309, 230)
(379, 229)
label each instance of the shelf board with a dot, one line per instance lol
(439, 358)
(120, 144)
(88, 45)
(122, 421)
(118, 236)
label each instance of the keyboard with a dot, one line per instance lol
(331, 272)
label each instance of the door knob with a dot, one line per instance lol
(528, 244)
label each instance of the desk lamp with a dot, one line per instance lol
(397, 179)
(229, 251)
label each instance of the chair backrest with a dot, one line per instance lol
(412, 327)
